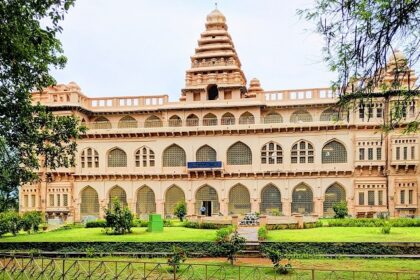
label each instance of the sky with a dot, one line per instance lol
(143, 47)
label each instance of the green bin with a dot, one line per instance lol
(155, 223)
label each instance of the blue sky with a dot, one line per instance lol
(139, 47)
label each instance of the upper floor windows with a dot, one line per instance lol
(89, 158)
(405, 149)
(246, 118)
(117, 158)
(206, 153)
(300, 116)
(174, 156)
(175, 121)
(153, 121)
(145, 157)
(101, 123)
(273, 117)
(271, 153)
(302, 152)
(239, 154)
(334, 152)
(370, 110)
(209, 120)
(192, 120)
(127, 122)
(228, 119)
(330, 115)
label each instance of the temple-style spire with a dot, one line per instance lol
(215, 71)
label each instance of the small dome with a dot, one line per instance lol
(255, 83)
(397, 58)
(254, 87)
(216, 17)
(73, 85)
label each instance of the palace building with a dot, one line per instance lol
(231, 147)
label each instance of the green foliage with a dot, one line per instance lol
(262, 233)
(118, 218)
(31, 221)
(340, 209)
(231, 245)
(177, 257)
(371, 222)
(96, 224)
(275, 212)
(189, 224)
(180, 210)
(168, 223)
(90, 252)
(10, 222)
(282, 265)
(386, 229)
(293, 226)
(140, 223)
(222, 235)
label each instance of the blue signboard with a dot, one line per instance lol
(204, 164)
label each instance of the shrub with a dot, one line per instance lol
(232, 245)
(140, 223)
(262, 233)
(168, 223)
(189, 224)
(118, 218)
(386, 229)
(281, 264)
(31, 221)
(96, 224)
(11, 222)
(222, 235)
(275, 212)
(340, 209)
(178, 256)
(180, 210)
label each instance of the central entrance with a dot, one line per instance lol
(206, 206)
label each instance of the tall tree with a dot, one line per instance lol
(29, 47)
(361, 40)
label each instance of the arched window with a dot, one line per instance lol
(145, 203)
(228, 119)
(209, 120)
(334, 194)
(334, 152)
(117, 193)
(239, 154)
(89, 205)
(271, 153)
(89, 158)
(300, 116)
(329, 115)
(153, 121)
(273, 117)
(145, 157)
(270, 200)
(246, 118)
(207, 196)
(101, 123)
(302, 152)
(173, 156)
(175, 121)
(239, 200)
(127, 122)
(117, 158)
(192, 120)
(212, 92)
(206, 153)
(302, 199)
(173, 195)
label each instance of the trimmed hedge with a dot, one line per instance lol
(293, 226)
(188, 224)
(372, 222)
(135, 223)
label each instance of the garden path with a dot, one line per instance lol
(249, 233)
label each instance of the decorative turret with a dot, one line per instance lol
(215, 71)
(254, 88)
(398, 70)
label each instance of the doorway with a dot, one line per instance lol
(207, 205)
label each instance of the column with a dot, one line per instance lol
(286, 207)
(224, 207)
(191, 207)
(255, 205)
(160, 207)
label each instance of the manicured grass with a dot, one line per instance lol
(97, 234)
(346, 234)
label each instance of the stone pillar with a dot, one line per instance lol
(255, 205)
(235, 220)
(224, 207)
(102, 206)
(318, 209)
(299, 220)
(190, 208)
(263, 220)
(160, 207)
(132, 206)
(200, 219)
(286, 207)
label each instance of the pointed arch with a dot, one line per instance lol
(228, 119)
(239, 200)
(207, 193)
(273, 117)
(145, 157)
(116, 192)
(127, 122)
(117, 158)
(174, 156)
(333, 194)
(146, 202)
(329, 115)
(270, 199)
(246, 118)
(175, 121)
(89, 204)
(206, 153)
(101, 123)
(239, 154)
(153, 121)
(302, 199)
(300, 116)
(173, 195)
(302, 152)
(192, 120)
(271, 153)
(334, 152)
(209, 119)
(89, 158)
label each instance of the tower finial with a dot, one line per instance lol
(215, 4)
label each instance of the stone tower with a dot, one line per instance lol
(215, 72)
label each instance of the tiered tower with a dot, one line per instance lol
(215, 72)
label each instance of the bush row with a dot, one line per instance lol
(370, 222)
(135, 223)
(189, 224)
(12, 222)
(293, 226)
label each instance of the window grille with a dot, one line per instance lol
(334, 194)
(145, 157)
(174, 156)
(33, 198)
(239, 200)
(273, 117)
(127, 122)
(379, 111)
(329, 115)
(172, 197)
(371, 198)
(101, 123)
(370, 153)
(153, 121)
(300, 116)
(334, 152)
(361, 111)
(413, 152)
(378, 153)
(397, 153)
(380, 197)
(175, 121)
(51, 199)
(207, 193)
(192, 120)
(361, 198)
(118, 193)
(58, 204)
(117, 158)
(405, 153)
(239, 154)
(410, 196)
(89, 205)
(270, 199)
(302, 199)
(246, 118)
(65, 200)
(26, 201)
(209, 120)
(361, 153)
(206, 153)
(146, 203)
(228, 119)
(271, 153)
(402, 196)
(89, 158)
(302, 152)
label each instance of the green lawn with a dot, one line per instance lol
(96, 234)
(346, 234)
